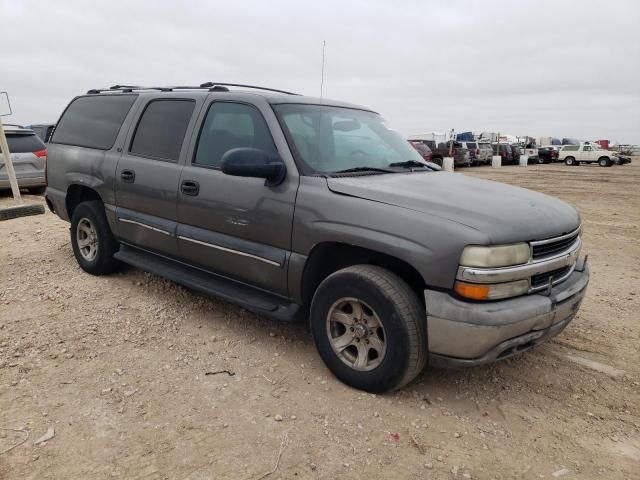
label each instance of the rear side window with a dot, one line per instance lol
(231, 125)
(161, 129)
(93, 121)
(570, 148)
(24, 143)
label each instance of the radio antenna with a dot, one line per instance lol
(324, 44)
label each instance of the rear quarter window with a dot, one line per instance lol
(93, 121)
(571, 148)
(161, 129)
(22, 143)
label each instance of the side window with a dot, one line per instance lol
(231, 125)
(587, 149)
(161, 129)
(93, 121)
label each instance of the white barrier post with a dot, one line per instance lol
(496, 161)
(447, 164)
(524, 160)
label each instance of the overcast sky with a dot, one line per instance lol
(540, 68)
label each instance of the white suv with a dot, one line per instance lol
(587, 153)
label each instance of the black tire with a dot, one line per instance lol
(106, 245)
(570, 161)
(604, 162)
(37, 190)
(399, 311)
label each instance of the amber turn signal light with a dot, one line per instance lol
(472, 290)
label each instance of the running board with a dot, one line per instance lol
(247, 297)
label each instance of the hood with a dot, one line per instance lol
(503, 213)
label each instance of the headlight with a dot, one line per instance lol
(493, 291)
(496, 256)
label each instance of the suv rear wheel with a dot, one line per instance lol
(570, 161)
(91, 238)
(604, 162)
(369, 328)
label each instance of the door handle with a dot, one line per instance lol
(129, 176)
(190, 187)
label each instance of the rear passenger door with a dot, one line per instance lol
(231, 225)
(148, 173)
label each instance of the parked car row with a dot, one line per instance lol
(466, 153)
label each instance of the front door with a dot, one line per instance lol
(235, 226)
(588, 154)
(148, 175)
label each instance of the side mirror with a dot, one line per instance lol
(252, 162)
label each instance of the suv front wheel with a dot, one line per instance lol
(369, 328)
(91, 238)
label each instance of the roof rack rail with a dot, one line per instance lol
(215, 84)
(209, 86)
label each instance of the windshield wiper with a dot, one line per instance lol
(409, 163)
(414, 163)
(365, 169)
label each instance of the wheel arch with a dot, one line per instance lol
(329, 257)
(76, 194)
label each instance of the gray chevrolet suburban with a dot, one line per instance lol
(298, 207)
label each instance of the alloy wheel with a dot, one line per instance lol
(356, 334)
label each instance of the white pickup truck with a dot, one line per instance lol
(587, 153)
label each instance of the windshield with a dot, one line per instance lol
(332, 139)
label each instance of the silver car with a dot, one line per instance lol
(29, 158)
(486, 152)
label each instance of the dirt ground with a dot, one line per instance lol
(122, 367)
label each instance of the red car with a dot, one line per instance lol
(423, 150)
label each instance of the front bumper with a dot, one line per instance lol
(462, 333)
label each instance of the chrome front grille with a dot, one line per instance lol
(542, 280)
(553, 246)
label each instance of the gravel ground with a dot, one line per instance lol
(123, 371)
